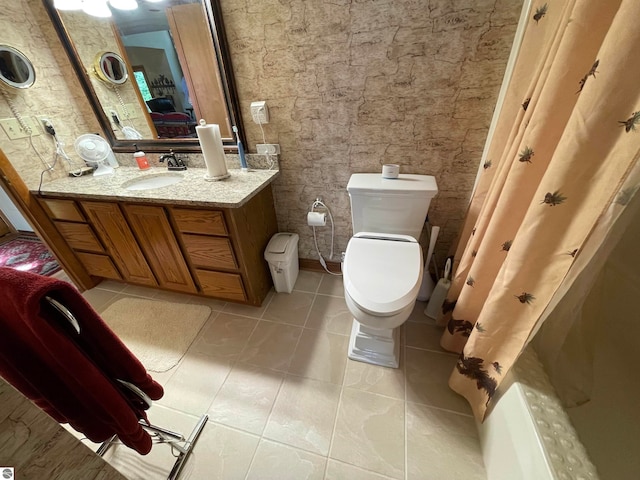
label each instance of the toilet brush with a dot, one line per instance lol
(427, 282)
(434, 307)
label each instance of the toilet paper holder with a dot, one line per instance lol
(316, 219)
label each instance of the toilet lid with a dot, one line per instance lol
(382, 273)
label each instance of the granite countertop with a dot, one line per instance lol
(193, 189)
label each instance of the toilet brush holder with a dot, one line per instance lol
(427, 286)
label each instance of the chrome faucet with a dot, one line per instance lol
(173, 162)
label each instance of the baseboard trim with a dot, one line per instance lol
(316, 266)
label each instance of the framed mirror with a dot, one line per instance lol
(16, 70)
(110, 68)
(157, 69)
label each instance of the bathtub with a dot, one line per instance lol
(528, 435)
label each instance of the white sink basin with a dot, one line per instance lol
(148, 182)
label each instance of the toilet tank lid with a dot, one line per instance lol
(424, 185)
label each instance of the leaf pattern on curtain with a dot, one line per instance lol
(540, 12)
(555, 198)
(591, 72)
(525, 155)
(631, 122)
(472, 367)
(580, 164)
(525, 297)
(462, 327)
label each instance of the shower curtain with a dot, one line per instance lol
(564, 153)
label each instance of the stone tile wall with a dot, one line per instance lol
(351, 85)
(354, 84)
(56, 93)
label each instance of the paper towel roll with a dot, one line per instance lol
(212, 150)
(316, 219)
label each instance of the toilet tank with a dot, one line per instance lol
(385, 205)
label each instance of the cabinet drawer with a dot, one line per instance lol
(206, 222)
(210, 252)
(79, 236)
(99, 265)
(62, 209)
(222, 285)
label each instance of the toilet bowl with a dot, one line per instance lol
(382, 274)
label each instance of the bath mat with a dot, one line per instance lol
(158, 333)
(28, 254)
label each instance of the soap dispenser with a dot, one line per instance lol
(141, 158)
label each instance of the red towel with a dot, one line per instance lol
(72, 377)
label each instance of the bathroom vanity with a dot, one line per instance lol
(198, 237)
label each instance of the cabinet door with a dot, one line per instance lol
(112, 228)
(160, 246)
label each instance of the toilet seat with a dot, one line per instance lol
(382, 272)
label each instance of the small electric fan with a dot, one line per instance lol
(94, 150)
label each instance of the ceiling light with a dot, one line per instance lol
(68, 4)
(96, 8)
(124, 4)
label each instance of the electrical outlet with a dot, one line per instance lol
(12, 127)
(260, 112)
(268, 148)
(43, 120)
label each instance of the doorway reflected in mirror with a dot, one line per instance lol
(172, 53)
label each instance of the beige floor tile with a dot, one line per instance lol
(111, 285)
(320, 356)
(304, 414)
(376, 379)
(370, 432)
(213, 303)
(99, 299)
(291, 308)
(417, 314)
(194, 384)
(308, 281)
(158, 463)
(139, 291)
(424, 336)
(330, 314)
(281, 462)
(246, 398)
(442, 445)
(221, 453)
(176, 297)
(224, 335)
(331, 285)
(271, 345)
(247, 310)
(427, 375)
(341, 471)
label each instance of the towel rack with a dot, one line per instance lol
(158, 434)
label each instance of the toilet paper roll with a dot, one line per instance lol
(316, 219)
(212, 151)
(390, 171)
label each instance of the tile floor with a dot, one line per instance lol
(284, 401)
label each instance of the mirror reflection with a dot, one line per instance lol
(110, 68)
(16, 70)
(167, 52)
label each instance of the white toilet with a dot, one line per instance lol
(382, 269)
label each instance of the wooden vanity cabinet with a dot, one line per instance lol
(80, 236)
(158, 242)
(215, 252)
(224, 247)
(112, 227)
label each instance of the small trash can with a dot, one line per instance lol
(282, 255)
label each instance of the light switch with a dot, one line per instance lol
(12, 127)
